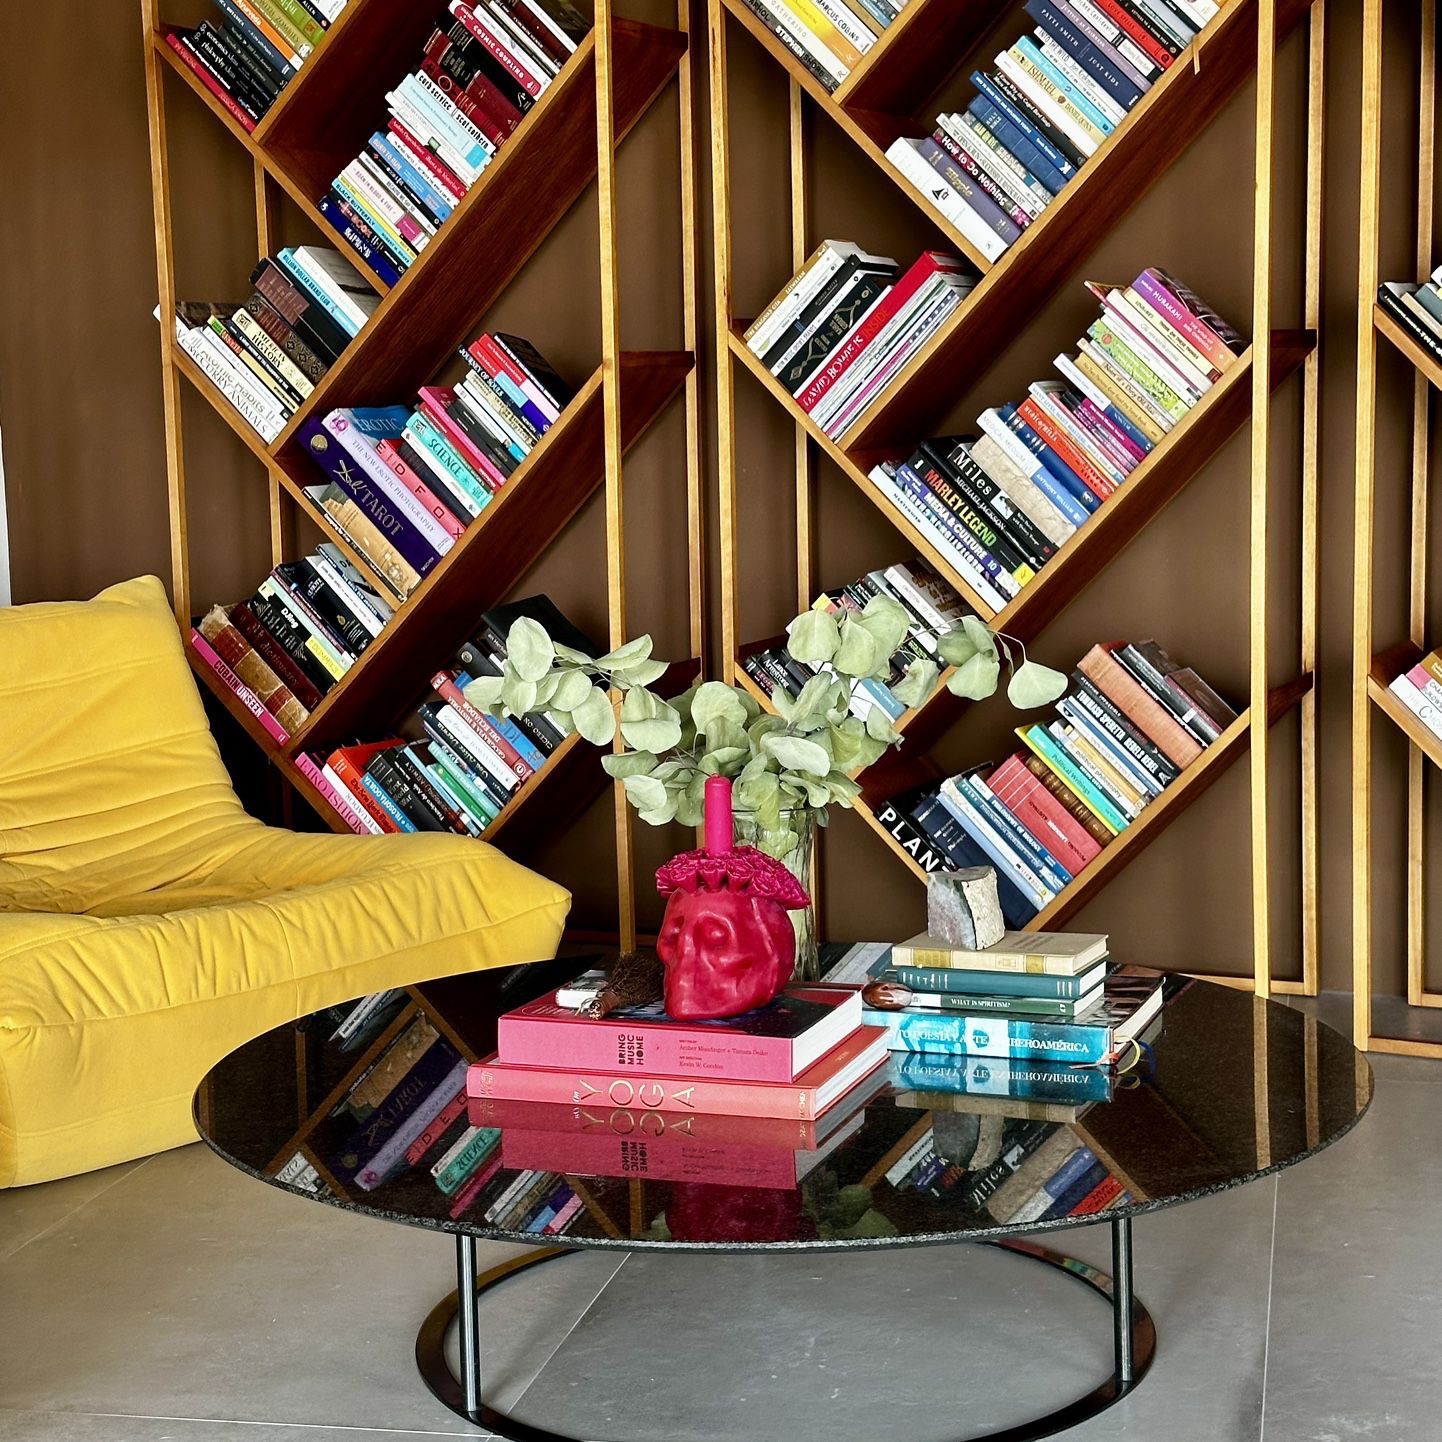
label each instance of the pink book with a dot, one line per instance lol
(343, 806)
(1190, 316)
(434, 400)
(774, 1043)
(397, 463)
(804, 1099)
(925, 266)
(669, 1158)
(473, 1188)
(233, 683)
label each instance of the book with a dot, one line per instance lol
(238, 688)
(1002, 1076)
(1041, 953)
(1133, 997)
(958, 981)
(774, 1043)
(805, 1098)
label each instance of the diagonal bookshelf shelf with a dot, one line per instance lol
(1386, 666)
(1159, 479)
(884, 781)
(1410, 348)
(1154, 133)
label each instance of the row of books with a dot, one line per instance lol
(999, 506)
(1132, 722)
(404, 483)
(847, 322)
(266, 355)
(933, 609)
(451, 768)
(829, 37)
(1419, 689)
(483, 68)
(1417, 308)
(248, 54)
(1044, 111)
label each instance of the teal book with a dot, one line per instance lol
(422, 434)
(993, 983)
(295, 268)
(1000, 1077)
(1040, 740)
(383, 800)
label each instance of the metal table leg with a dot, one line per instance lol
(1122, 1299)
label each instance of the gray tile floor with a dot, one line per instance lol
(174, 1300)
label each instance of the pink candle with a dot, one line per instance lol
(719, 832)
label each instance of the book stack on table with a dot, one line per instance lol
(792, 1059)
(1047, 997)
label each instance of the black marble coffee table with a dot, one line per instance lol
(1232, 1088)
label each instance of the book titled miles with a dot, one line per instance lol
(1037, 953)
(803, 1099)
(774, 1043)
(1133, 998)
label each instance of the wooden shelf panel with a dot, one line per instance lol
(1411, 348)
(1386, 667)
(1207, 769)
(534, 179)
(915, 56)
(533, 508)
(1156, 131)
(299, 194)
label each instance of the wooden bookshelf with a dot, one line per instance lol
(891, 94)
(1374, 668)
(569, 138)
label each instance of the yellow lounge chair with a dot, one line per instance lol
(148, 926)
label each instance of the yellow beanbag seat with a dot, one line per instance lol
(148, 926)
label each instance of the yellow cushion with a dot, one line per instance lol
(148, 926)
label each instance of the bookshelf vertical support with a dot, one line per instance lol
(165, 275)
(805, 494)
(1260, 477)
(721, 260)
(1311, 512)
(1417, 994)
(282, 515)
(1362, 525)
(611, 424)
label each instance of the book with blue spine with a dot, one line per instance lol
(1110, 748)
(995, 95)
(1099, 60)
(386, 802)
(372, 254)
(1133, 997)
(1040, 740)
(296, 268)
(1063, 83)
(984, 835)
(1060, 471)
(934, 819)
(1018, 143)
(1016, 836)
(1028, 459)
(407, 172)
(1000, 1076)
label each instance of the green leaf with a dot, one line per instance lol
(573, 656)
(724, 735)
(484, 693)
(887, 621)
(879, 727)
(642, 673)
(796, 753)
(916, 685)
(546, 689)
(518, 694)
(595, 719)
(715, 700)
(816, 698)
(620, 764)
(529, 649)
(980, 633)
(648, 723)
(859, 653)
(725, 760)
(1033, 684)
(955, 648)
(761, 797)
(623, 656)
(812, 638)
(571, 689)
(976, 679)
(645, 793)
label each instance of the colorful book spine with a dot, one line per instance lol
(393, 1153)
(237, 687)
(964, 983)
(343, 805)
(668, 1158)
(959, 1034)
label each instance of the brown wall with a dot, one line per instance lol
(80, 401)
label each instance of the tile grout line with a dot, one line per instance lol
(254, 1422)
(77, 1209)
(566, 1335)
(1267, 1326)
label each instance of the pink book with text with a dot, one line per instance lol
(234, 684)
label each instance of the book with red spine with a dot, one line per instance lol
(806, 1098)
(926, 265)
(1099, 1198)
(349, 763)
(434, 400)
(438, 170)
(401, 469)
(436, 1128)
(497, 113)
(1101, 486)
(1023, 794)
(343, 806)
(446, 688)
(238, 688)
(276, 656)
(466, 1197)
(192, 63)
(1142, 709)
(1143, 37)
(774, 1043)
(475, 100)
(497, 48)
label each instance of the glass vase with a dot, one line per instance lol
(794, 844)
